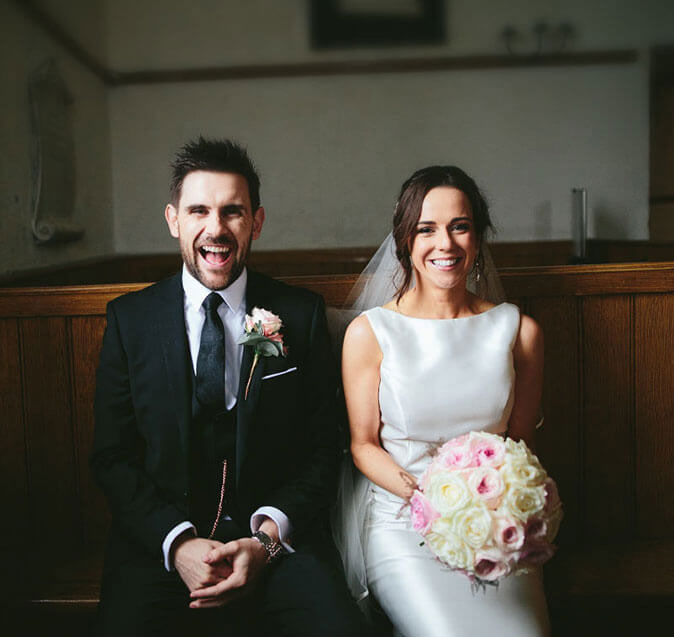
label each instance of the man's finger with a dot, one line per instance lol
(222, 553)
(232, 583)
(215, 602)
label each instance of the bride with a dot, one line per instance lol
(432, 363)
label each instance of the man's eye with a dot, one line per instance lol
(198, 211)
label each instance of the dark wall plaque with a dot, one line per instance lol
(350, 23)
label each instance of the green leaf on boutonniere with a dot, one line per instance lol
(252, 339)
(268, 348)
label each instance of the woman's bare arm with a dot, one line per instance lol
(528, 361)
(361, 360)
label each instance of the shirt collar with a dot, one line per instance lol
(196, 292)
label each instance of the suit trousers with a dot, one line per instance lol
(299, 595)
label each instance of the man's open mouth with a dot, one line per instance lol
(215, 255)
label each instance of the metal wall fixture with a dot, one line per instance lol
(541, 39)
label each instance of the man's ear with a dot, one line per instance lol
(171, 216)
(258, 220)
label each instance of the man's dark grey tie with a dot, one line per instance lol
(210, 382)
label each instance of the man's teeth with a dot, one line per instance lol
(444, 262)
(216, 249)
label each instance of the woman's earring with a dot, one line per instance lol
(477, 266)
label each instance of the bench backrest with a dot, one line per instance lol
(608, 403)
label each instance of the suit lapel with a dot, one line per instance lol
(246, 406)
(170, 322)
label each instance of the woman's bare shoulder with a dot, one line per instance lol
(360, 340)
(530, 336)
(359, 330)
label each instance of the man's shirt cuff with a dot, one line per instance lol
(279, 518)
(171, 536)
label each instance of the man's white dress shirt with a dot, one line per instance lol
(233, 314)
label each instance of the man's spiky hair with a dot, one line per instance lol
(214, 155)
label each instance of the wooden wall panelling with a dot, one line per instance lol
(558, 441)
(326, 261)
(608, 422)
(49, 436)
(14, 485)
(87, 335)
(654, 369)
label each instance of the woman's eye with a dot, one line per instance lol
(424, 230)
(461, 227)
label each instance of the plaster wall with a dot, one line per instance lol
(333, 151)
(24, 47)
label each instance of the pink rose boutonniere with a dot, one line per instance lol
(262, 331)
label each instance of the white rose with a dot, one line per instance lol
(448, 492)
(523, 502)
(515, 449)
(473, 525)
(519, 470)
(448, 546)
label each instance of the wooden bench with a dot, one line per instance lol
(607, 439)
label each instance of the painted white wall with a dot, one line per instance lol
(159, 34)
(333, 151)
(23, 47)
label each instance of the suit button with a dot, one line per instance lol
(185, 493)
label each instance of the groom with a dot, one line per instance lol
(219, 469)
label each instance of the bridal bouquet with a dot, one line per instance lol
(486, 507)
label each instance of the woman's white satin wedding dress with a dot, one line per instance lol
(440, 379)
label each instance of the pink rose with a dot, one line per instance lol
(490, 565)
(488, 449)
(456, 453)
(486, 483)
(269, 321)
(552, 500)
(459, 458)
(422, 512)
(459, 441)
(508, 533)
(536, 552)
(536, 528)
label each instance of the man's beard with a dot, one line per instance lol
(191, 261)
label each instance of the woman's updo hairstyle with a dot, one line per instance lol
(408, 211)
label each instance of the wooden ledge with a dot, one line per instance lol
(577, 280)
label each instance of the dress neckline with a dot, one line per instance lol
(458, 318)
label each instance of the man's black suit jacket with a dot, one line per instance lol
(287, 428)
